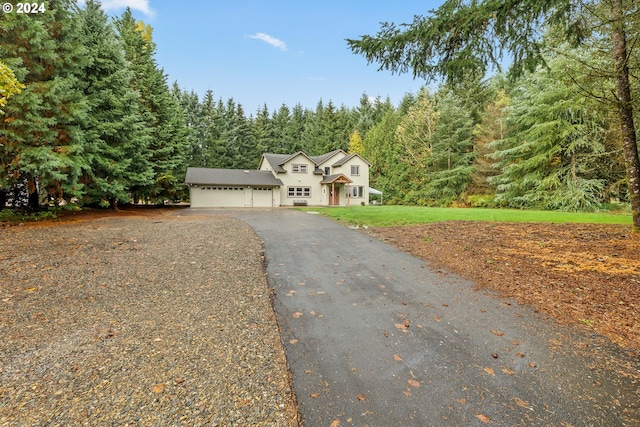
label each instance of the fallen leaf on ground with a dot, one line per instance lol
(498, 333)
(401, 326)
(361, 397)
(297, 314)
(159, 388)
(489, 371)
(314, 395)
(335, 423)
(397, 358)
(508, 371)
(483, 418)
(414, 383)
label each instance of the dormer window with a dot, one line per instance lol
(299, 168)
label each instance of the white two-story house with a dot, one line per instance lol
(332, 179)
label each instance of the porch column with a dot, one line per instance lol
(333, 193)
(348, 191)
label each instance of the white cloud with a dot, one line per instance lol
(271, 40)
(141, 5)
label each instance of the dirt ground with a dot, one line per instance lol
(581, 274)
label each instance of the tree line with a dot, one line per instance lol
(89, 118)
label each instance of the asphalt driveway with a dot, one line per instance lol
(376, 337)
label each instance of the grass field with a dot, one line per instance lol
(381, 216)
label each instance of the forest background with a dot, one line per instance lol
(88, 118)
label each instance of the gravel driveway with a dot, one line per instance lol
(130, 321)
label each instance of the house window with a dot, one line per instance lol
(357, 191)
(327, 170)
(355, 169)
(299, 168)
(299, 191)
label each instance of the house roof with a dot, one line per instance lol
(339, 177)
(324, 157)
(207, 176)
(348, 157)
(276, 161)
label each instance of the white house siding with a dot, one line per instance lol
(300, 180)
(360, 180)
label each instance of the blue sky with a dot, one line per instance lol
(274, 51)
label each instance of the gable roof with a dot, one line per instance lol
(277, 160)
(346, 158)
(339, 177)
(207, 176)
(324, 157)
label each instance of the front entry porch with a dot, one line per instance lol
(337, 188)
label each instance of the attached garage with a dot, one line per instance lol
(232, 188)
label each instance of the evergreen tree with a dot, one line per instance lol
(116, 135)
(462, 39)
(195, 124)
(451, 165)
(283, 134)
(164, 117)
(548, 160)
(40, 138)
(296, 128)
(387, 172)
(492, 127)
(263, 131)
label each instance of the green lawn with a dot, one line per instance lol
(406, 215)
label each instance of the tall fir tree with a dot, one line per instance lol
(451, 164)
(549, 158)
(163, 114)
(40, 137)
(116, 134)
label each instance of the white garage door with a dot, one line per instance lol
(262, 197)
(217, 197)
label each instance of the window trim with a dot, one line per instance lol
(299, 192)
(299, 168)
